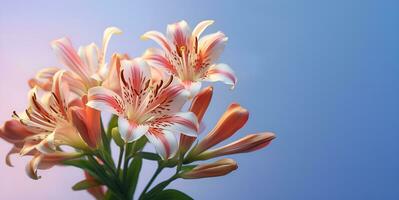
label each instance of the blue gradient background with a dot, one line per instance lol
(323, 75)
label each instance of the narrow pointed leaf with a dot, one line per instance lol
(157, 189)
(171, 194)
(149, 156)
(85, 184)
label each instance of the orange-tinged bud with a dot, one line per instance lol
(246, 144)
(46, 161)
(198, 106)
(232, 120)
(218, 168)
(15, 133)
(87, 122)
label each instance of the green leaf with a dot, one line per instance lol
(79, 163)
(149, 156)
(98, 172)
(94, 169)
(85, 184)
(133, 175)
(171, 195)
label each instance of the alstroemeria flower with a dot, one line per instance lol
(16, 133)
(50, 119)
(147, 107)
(88, 66)
(190, 58)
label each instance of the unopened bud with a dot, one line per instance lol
(218, 168)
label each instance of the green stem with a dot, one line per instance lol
(156, 173)
(125, 169)
(122, 149)
(159, 187)
(179, 162)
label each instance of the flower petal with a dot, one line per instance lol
(13, 150)
(105, 100)
(31, 167)
(165, 142)
(130, 131)
(158, 38)
(108, 33)
(44, 78)
(201, 27)
(60, 93)
(89, 55)
(179, 34)
(75, 83)
(192, 87)
(134, 72)
(47, 145)
(135, 79)
(221, 72)
(169, 99)
(156, 58)
(67, 54)
(14, 132)
(183, 122)
(211, 46)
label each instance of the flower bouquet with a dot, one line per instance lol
(144, 99)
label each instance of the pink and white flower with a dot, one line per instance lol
(190, 58)
(88, 65)
(54, 121)
(147, 107)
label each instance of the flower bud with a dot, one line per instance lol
(87, 121)
(218, 168)
(198, 106)
(117, 137)
(47, 161)
(246, 144)
(232, 120)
